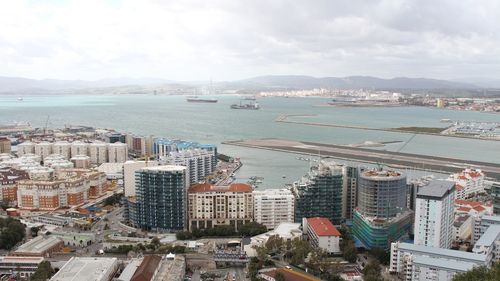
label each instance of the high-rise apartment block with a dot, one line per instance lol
(381, 216)
(199, 163)
(160, 198)
(434, 214)
(319, 193)
(209, 205)
(273, 206)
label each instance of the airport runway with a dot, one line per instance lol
(405, 160)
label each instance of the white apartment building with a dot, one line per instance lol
(469, 182)
(24, 148)
(482, 223)
(209, 205)
(129, 169)
(79, 148)
(43, 149)
(322, 234)
(98, 152)
(423, 263)
(62, 148)
(273, 206)
(117, 152)
(489, 244)
(199, 163)
(434, 215)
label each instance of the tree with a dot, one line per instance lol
(155, 242)
(261, 252)
(43, 272)
(372, 270)
(349, 252)
(252, 229)
(34, 231)
(12, 232)
(383, 256)
(274, 244)
(279, 276)
(300, 250)
(480, 274)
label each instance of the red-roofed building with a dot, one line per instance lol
(210, 205)
(469, 182)
(473, 208)
(288, 275)
(322, 234)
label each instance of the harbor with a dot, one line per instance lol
(406, 160)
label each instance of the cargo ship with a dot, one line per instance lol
(251, 106)
(197, 99)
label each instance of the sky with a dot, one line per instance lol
(230, 40)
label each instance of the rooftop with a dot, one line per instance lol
(382, 174)
(147, 268)
(234, 187)
(291, 275)
(38, 244)
(434, 251)
(436, 189)
(495, 219)
(17, 260)
(165, 168)
(86, 269)
(460, 266)
(322, 227)
(490, 236)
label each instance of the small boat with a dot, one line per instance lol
(20, 99)
(198, 99)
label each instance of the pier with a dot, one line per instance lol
(397, 159)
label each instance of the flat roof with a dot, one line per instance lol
(167, 168)
(322, 226)
(491, 218)
(434, 251)
(38, 244)
(291, 275)
(489, 237)
(14, 259)
(436, 189)
(206, 187)
(454, 265)
(86, 269)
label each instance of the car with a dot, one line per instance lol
(288, 267)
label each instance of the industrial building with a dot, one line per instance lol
(87, 268)
(40, 246)
(21, 266)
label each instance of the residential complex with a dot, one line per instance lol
(209, 205)
(469, 182)
(160, 198)
(8, 184)
(381, 216)
(273, 206)
(322, 234)
(199, 163)
(350, 190)
(319, 193)
(129, 169)
(434, 214)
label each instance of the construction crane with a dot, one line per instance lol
(46, 124)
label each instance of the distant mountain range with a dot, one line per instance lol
(354, 82)
(25, 85)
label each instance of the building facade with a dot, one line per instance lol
(319, 193)
(273, 206)
(4, 145)
(322, 234)
(434, 214)
(199, 163)
(381, 216)
(209, 205)
(350, 190)
(160, 198)
(469, 182)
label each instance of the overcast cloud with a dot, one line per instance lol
(227, 40)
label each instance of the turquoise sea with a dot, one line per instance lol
(173, 117)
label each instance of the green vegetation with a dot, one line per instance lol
(279, 276)
(151, 248)
(480, 274)
(349, 251)
(43, 272)
(11, 232)
(34, 231)
(249, 229)
(427, 130)
(383, 256)
(372, 271)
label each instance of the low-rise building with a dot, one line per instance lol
(21, 266)
(210, 205)
(87, 268)
(273, 206)
(40, 246)
(469, 182)
(482, 223)
(322, 234)
(417, 262)
(288, 275)
(286, 231)
(489, 244)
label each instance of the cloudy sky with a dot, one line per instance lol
(227, 40)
